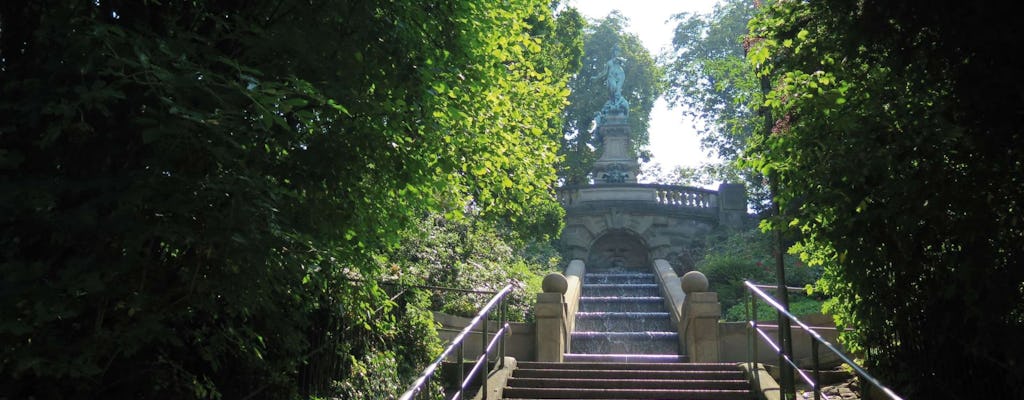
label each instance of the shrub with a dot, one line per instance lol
(749, 255)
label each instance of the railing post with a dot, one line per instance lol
(483, 354)
(504, 322)
(752, 337)
(551, 314)
(699, 324)
(817, 368)
(461, 366)
(753, 324)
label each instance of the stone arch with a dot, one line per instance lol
(618, 248)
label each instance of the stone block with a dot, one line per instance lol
(550, 328)
(699, 326)
(732, 196)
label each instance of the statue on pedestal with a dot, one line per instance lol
(617, 161)
(614, 74)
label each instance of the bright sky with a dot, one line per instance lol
(673, 139)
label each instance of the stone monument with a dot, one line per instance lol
(617, 163)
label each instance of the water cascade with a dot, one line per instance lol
(623, 313)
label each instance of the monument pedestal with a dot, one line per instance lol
(617, 163)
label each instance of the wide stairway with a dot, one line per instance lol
(625, 347)
(606, 380)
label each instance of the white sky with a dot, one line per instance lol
(673, 140)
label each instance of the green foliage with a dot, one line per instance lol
(798, 305)
(748, 255)
(197, 197)
(642, 86)
(413, 343)
(470, 254)
(894, 146)
(708, 76)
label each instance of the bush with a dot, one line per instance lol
(748, 255)
(476, 255)
(798, 305)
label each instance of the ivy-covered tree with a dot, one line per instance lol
(199, 197)
(642, 86)
(894, 142)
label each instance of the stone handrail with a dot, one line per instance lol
(668, 195)
(671, 289)
(685, 196)
(574, 276)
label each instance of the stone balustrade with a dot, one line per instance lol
(685, 196)
(665, 195)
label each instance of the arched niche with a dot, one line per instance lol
(619, 249)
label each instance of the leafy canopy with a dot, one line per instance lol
(711, 81)
(190, 189)
(894, 147)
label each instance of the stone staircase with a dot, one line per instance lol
(625, 347)
(638, 380)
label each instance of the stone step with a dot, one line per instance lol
(621, 304)
(625, 358)
(616, 380)
(577, 393)
(594, 364)
(623, 321)
(591, 342)
(621, 290)
(618, 278)
(731, 384)
(626, 374)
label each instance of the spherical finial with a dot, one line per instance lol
(694, 282)
(555, 283)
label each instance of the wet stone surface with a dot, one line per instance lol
(623, 321)
(622, 304)
(622, 312)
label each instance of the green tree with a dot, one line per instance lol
(198, 198)
(894, 146)
(709, 78)
(642, 86)
(473, 254)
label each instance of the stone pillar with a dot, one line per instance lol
(617, 163)
(551, 319)
(698, 327)
(732, 205)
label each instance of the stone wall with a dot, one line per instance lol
(519, 343)
(734, 344)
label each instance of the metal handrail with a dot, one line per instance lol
(755, 292)
(480, 364)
